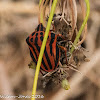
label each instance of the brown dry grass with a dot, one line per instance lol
(17, 20)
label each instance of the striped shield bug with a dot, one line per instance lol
(51, 56)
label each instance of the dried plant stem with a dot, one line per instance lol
(83, 25)
(43, 47)
(72, 10)
(41, 10)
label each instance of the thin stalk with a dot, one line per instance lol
(83, 25)
(40, 2)
(42, 48)
(41, 11)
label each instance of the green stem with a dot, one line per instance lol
(40, 2)
(42, 48)
(83, 25)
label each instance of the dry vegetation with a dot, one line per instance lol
(17, 21)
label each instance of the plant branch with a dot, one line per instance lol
(83, 25)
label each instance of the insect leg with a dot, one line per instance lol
(41, 72)
(63, 37)
(65, 50)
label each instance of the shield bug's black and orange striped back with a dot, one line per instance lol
(51, 54)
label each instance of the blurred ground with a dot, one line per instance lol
(18, 18)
